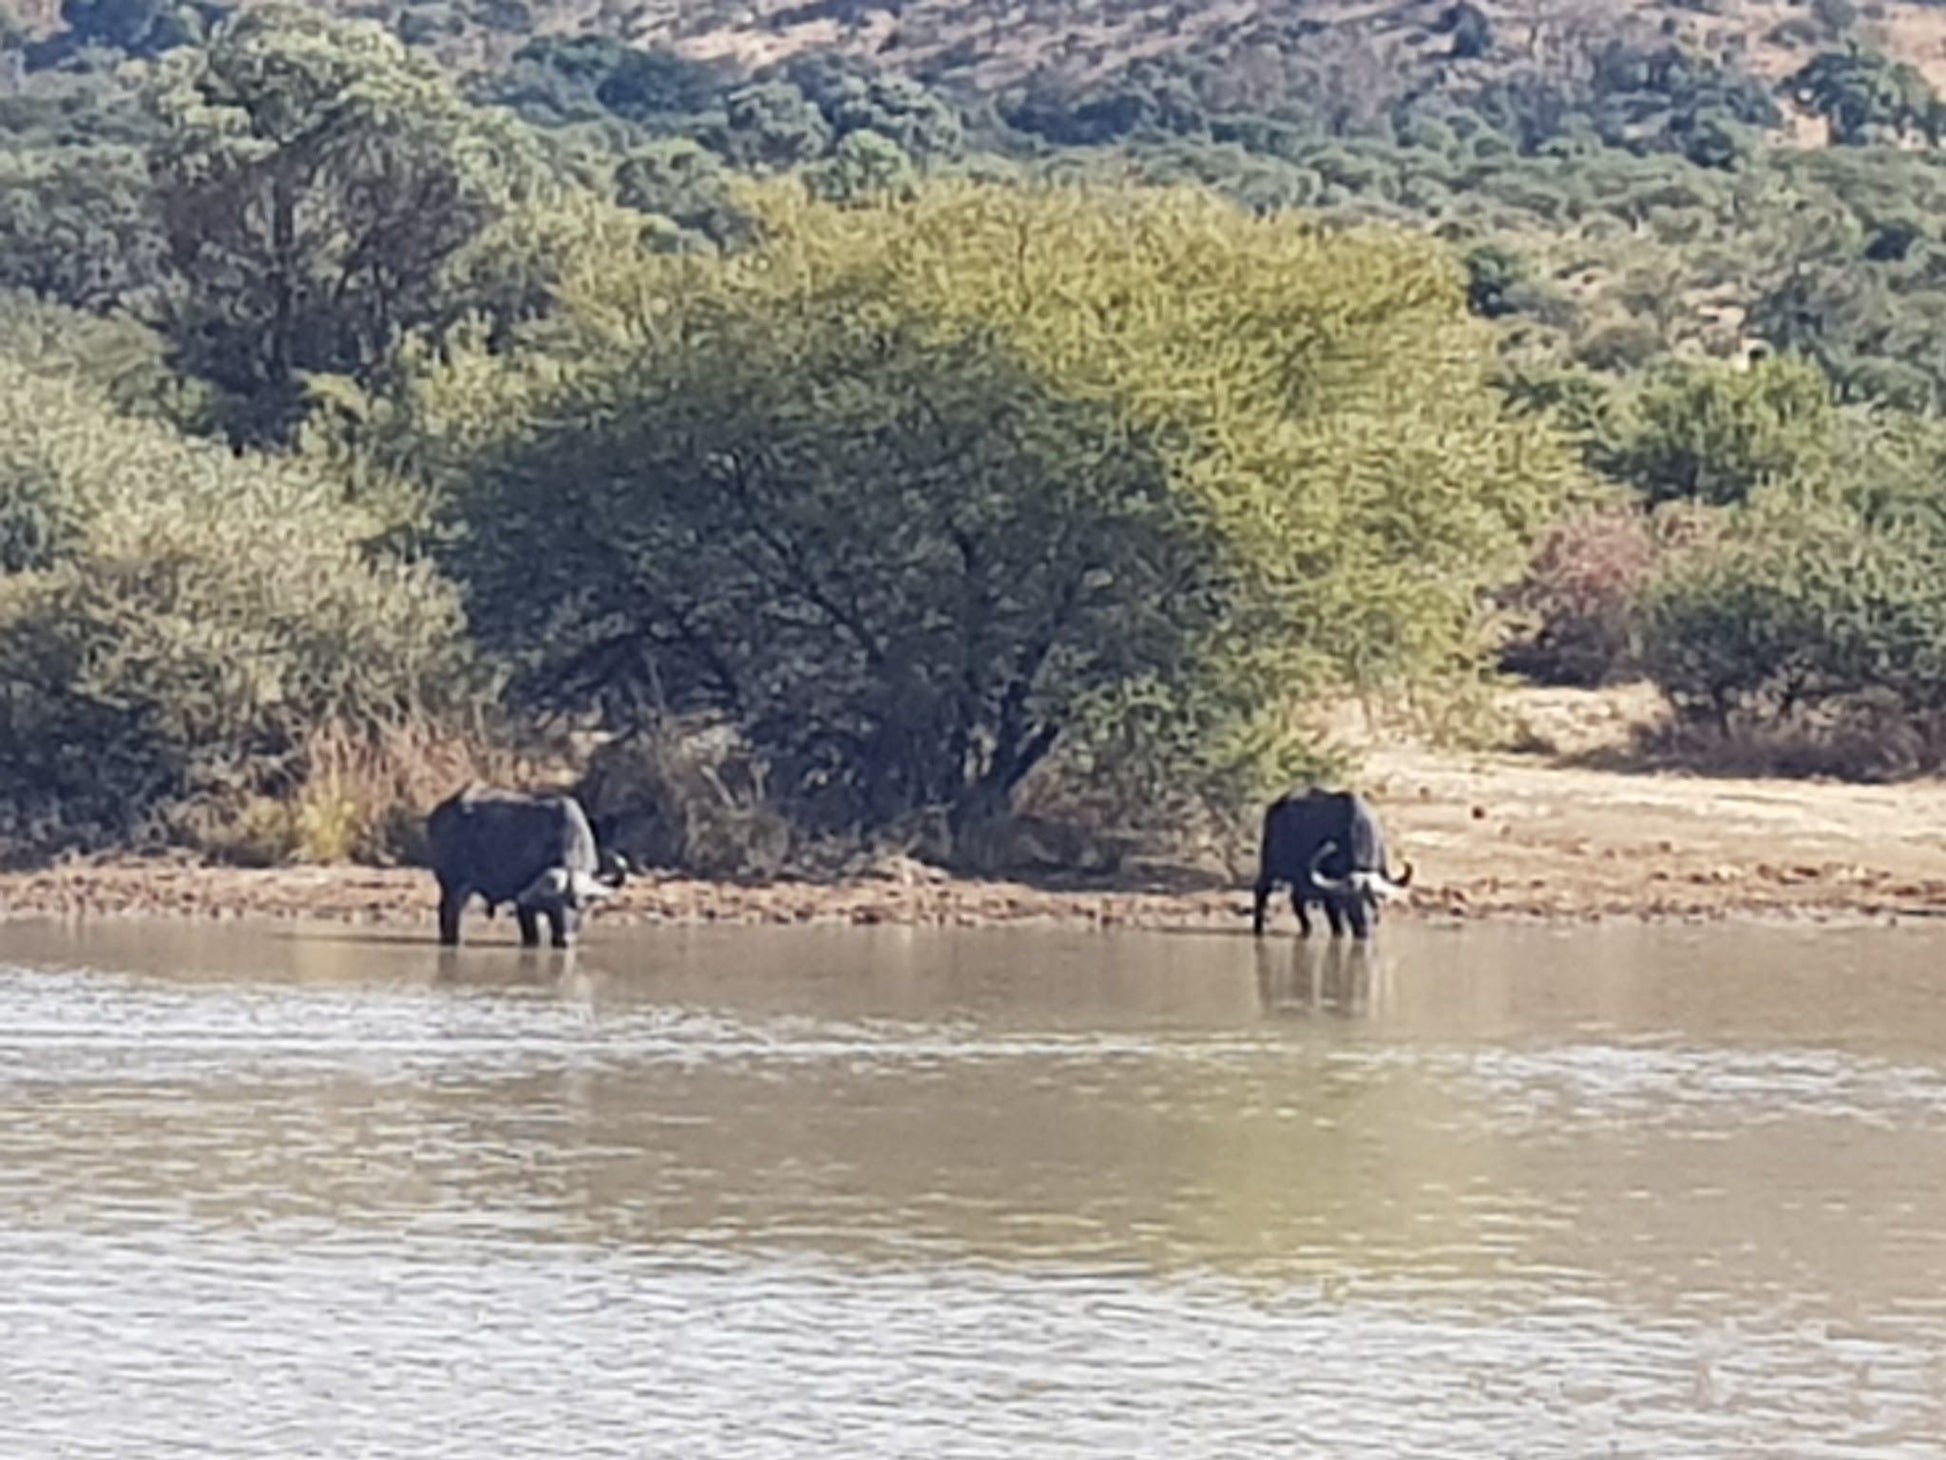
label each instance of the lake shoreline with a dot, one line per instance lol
(908, 894)
(1567, 833)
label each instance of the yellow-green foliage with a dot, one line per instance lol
(1316, 404)
(1717, 433)
(1823, 596)
(1323, 392)
(175, 618)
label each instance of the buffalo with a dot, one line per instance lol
(537, 852)
(1327, 846)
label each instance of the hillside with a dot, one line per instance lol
(994, 43)
(988, 44)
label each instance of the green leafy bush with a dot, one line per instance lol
(1815, 613)
(79, 225)
(176, 620)
(1717, 433)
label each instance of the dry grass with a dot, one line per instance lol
(690, 796)
(364, 796)
(1581, 820)
(1630, 728)
(1493, 834)
(1865, 740)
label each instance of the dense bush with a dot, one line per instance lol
(1864, 96)
(689, 794)
(176, 620)
(79, 225)
(1813, 615)
(923, 493)
(1717, 433)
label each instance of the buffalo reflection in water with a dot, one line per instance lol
(1299, 978)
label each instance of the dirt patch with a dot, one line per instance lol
(1491, 835)
(1506, 833)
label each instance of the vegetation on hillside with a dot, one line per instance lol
(940, 439)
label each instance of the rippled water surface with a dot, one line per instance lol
(1631, 1192)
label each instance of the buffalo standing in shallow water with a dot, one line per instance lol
(1327, 846)
(536, 852)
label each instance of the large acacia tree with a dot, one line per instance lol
(922, 492)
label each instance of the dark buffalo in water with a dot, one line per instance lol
(536, 852)
(1328, 847)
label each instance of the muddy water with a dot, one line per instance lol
(1635, 1192)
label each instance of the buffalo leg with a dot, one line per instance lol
(1357, 911)
(1303, 918)
(1335, 915)
(530, 925)
(450, 905)
(1263, 900)
(560, 925)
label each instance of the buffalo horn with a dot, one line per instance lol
(1340, 885)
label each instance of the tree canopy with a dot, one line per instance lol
(922, 490)
(313, 178)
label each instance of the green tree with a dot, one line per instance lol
(144, 28)
(1492, 274)
(681, 181)
(1809, 606)
(1866, 97)
(855, 98)
(1716, 433)
(923, 492)
(659, 89)
(79, 225)
(314, 179)
(773, 125)
(863, 166)
(88, 102)
(1822, 606)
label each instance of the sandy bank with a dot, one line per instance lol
(1492, 836)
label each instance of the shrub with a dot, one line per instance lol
(1809, 617)
(688, 794)
(1627, 344)
(1716, 433)
(116, 356)
(197, 616)
(1581, 598)
(1492, 274)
